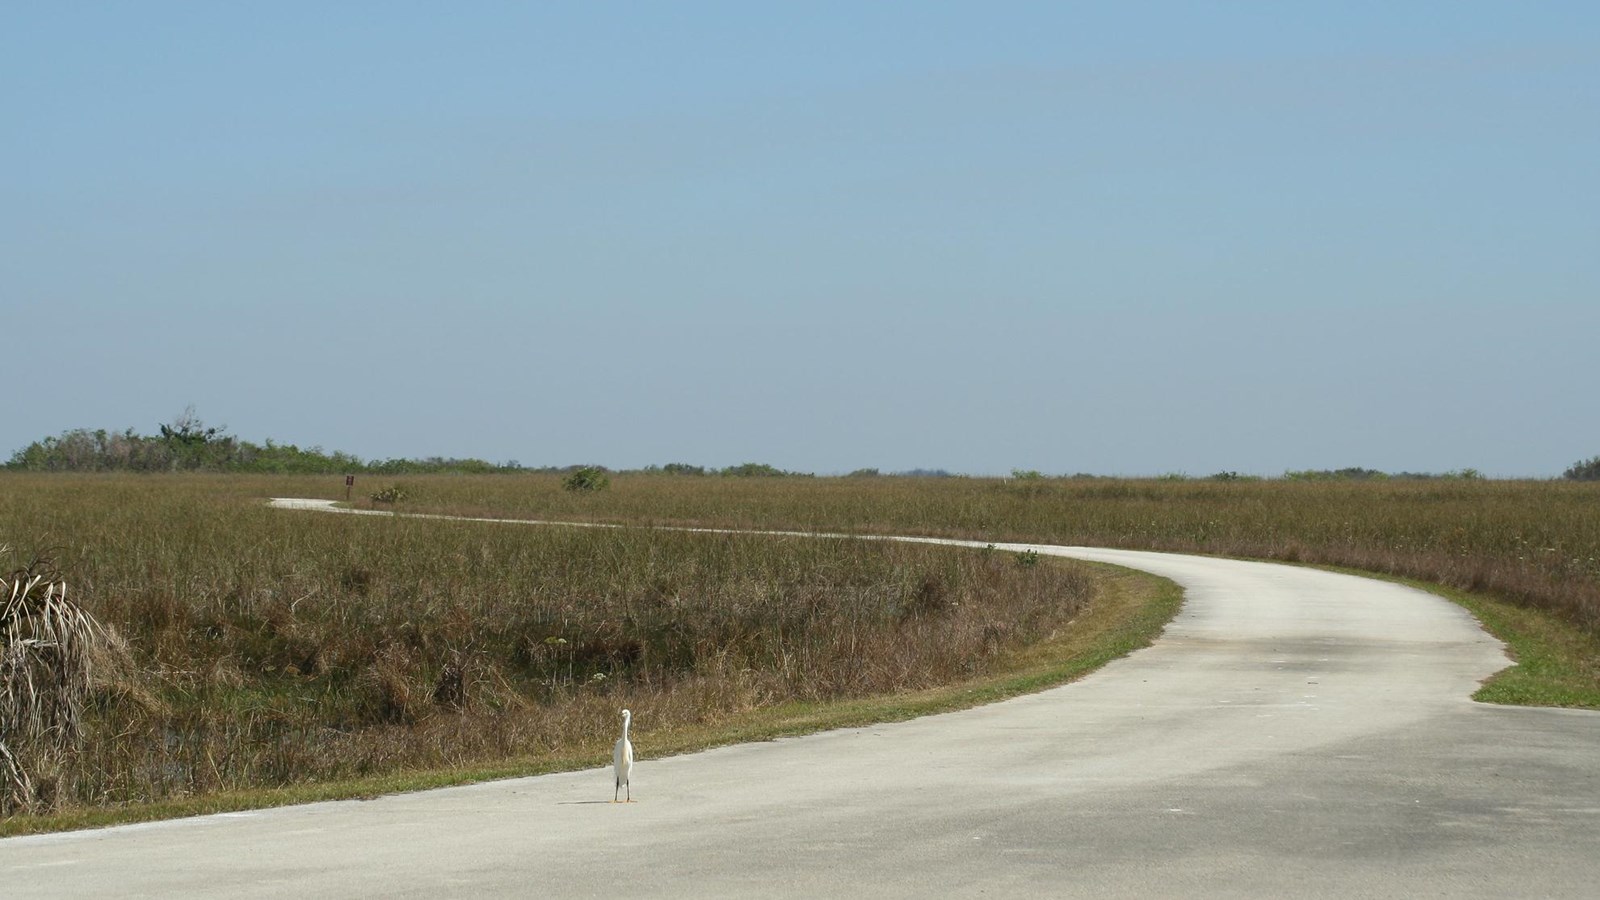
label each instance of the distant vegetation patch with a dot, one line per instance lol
(1359, 474)
(393, 493)
(189, 445)
(587, 479)
(1585, 470)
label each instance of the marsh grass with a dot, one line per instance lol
(1524, 556)
(274, 649)
(1532, 543)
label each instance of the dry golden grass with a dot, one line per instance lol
(275, 648)
(1524, 556)
(1536, 543)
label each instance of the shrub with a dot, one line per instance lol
(754, 470)
(394, 493)
(1350, 473)
(682, 469)
(47, 645)
(587, 479)
(1586, 470)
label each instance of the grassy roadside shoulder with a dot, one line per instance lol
(1553, 663)
(1130, 611)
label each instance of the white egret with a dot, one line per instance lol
(622, 759)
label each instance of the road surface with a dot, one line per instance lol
(1294, 732)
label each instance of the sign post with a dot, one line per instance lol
(349, 482)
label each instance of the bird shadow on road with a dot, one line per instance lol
(581, 802)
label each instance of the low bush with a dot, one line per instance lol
(1584, 470)
(587, 479)
(393, 493)
(48, 647)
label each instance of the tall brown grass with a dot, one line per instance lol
(1536, 543)
(273, 648)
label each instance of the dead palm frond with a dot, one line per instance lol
(47, 646)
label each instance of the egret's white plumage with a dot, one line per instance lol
(622, 759)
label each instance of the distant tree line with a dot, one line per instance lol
(189, 445)
(743, 470)
(83, 450)
(1359, 474)
(1586, 470)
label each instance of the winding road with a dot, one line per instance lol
(1294, 732)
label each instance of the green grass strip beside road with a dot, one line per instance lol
(1555, 664)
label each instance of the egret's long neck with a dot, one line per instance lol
(626, 721)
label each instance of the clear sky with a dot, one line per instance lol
(1119, 237)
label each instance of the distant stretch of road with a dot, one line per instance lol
(1294, 733)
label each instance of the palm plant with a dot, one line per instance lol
(47, 647)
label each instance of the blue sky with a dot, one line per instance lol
(1122, 238)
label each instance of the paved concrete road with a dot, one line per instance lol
(1294, 733)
